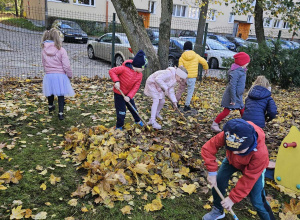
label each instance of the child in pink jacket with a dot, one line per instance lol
(57, 67)
(162, 83)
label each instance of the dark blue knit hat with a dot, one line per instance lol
(239, 135)
(188, 45)
(140, 60)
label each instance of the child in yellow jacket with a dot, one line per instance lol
(190, 60)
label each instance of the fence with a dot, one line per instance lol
(20, 41)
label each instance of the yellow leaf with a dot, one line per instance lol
(161, 188)
(288, 216)
(73, 202)
(17, 213)
(41, 215)
(96, 189)
(39, 167)
(188, 188)
(156, 179)
(207, 206)
(43, 186)
(154, 206)
(141, 168)
(84, 209)
(184, 171)
(252, 212)
(5, 176)
(28, 213)
(145, 196)
(53, 179)
(2, 187)
(126, 210)
(47, 203)
(293, 207)
(43, 172)
(70, 218)
(175, 157)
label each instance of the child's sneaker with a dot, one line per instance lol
(140, 123)
(154, 124)
(51, 108)
(214, 214)
(120, 128)
(186, 108)
(215, 127)
(159, 116)
(61, 116)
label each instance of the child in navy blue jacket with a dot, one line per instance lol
(259, 105)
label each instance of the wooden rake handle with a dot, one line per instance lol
(222, 197)
(145, 124)
(181, 115)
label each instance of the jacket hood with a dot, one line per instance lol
(259, 92)
(50, 48)
(189, 55)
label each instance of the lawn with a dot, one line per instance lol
(47, 164)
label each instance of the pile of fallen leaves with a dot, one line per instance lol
(123, 164)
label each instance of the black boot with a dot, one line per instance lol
(61, 116)
(186, 108)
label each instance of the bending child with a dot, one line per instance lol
(259, 105)
(57, 67)
(233, 95)
(190, 60)
(161, 84)
(246, 152)
(128, 78)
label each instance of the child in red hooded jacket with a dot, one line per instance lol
(245, 152)
(128, 78)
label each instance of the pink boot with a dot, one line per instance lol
(215, 127)
(154, 124)
(159, 116)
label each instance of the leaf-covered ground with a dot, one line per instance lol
(81, 168)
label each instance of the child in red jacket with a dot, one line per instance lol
(128, 78)
(245, 152)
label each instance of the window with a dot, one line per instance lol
(286, 25)
(211, 15)
(151, 7)
(179, 10)
(267, 22)
(276, 23)
(250, 19)
(84, 2)
(231, 17)
(107, 38)
(194, 13)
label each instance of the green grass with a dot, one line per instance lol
(20, 22)
(43, 134)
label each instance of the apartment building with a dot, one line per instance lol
(220, 18)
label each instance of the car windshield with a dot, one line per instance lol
(69, 25)
(239, 40)
(179, 43)
(222, 38)
(214, 45)
(155, 34)
(192, 39)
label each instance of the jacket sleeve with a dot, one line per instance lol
(209, 150)
(162, 78)
(203, 62)
(114, 72)
(66, 63)
(233, 81)
(135, 87)
(250, 176)
(271, 109)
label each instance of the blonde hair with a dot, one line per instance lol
(53, 35)
(260, 81)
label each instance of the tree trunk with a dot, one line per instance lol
(136, 33)
(16, 7)
(164, 32)
(22, 9)
(259, 23)
(201, 25)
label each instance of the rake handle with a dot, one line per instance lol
(145, 124)
(181, 115)
(222, 197)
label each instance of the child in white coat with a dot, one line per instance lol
(162, 83)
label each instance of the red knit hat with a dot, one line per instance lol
(241, 58)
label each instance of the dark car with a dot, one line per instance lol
(70, 31)
(187, 33)
(239, 42)
(152, 34)
(223, 40)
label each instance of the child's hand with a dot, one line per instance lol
(212, 180)
(117, 85)
(232, 103)
(127, 99)
(227, 203)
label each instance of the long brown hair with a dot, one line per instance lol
(53, 35)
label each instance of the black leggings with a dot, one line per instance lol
(61, 102)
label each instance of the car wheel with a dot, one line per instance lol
(119, 60)
(214, 64)
(91, 53)
(171, 62)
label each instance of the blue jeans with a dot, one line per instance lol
(120, 105)
(190, 90)
(257, 194)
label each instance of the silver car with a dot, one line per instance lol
(101, 48)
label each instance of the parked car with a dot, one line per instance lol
(288, 44)
(188, 33)
(269, 42)
(101, 48)
(239, 42)
(70, 31)
(223, 40)
(152, 34)
(296, 44)
(216, 52)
